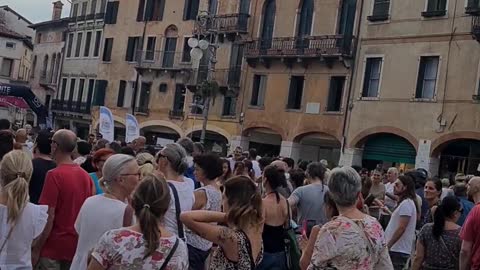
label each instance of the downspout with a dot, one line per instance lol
(352, 79)
(135, 90)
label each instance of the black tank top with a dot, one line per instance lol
(273, 238)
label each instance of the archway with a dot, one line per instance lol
(315, 146)
(26, 93)
(159, 135)
(388, 150)
(459, 156)
(266, 141)
(214, 141)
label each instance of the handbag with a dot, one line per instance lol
(292, 251)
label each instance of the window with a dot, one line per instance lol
(186, 51)
(107, 50)
(91, 88)
(144, 97)
(93, 7)
(268, 24)
(305, 20)
(435, 8)
(10, 45)
(258, 91)
(103, 4)
(70, 45)
(295, 93)
(121, 93)
(75, 10)
(71, 92)
(81, 89)
(427, 77)
(190, 11)
(79, 44)
(88, 40)
(84, 8)
(381, 9)
(43, 75)
(39, 38)
(228, 106)
(112, 12)
(235, 66)
(6, 69)
(473, 7)
(244, 7)
(98, 39)
(335, 94)
(150, 53)
(150, 10)
(179, 99)
(99, 94)
(132, 48)
(169, 54)
(34, 66)
(371, 81)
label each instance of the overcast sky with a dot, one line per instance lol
(35, 10)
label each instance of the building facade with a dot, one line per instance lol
(15, 62)
(72, 103)
(416, 87)
(48, 55)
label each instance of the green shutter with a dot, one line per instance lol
(389, 147)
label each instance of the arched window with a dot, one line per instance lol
(52, 68)
(305, 20)
(171, 34)
(268, 23)
(44, 68)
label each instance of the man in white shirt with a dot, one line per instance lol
(390, 198)
(400, 232)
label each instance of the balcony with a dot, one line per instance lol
(71, 106)
(47, 83)
(476, 27)
(163, 62)
(176, 114)
(142, 110)
(299, 49)
(227, 79)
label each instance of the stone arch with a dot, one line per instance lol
(259, 125)
(171, 31)
(359, 140)
(213, 128)
(311, 131)
(164, 123)
(441, 141)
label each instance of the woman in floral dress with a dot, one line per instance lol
(353, 240)
(146, 245)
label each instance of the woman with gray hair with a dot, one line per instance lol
(172, 164)
(106, 211)
(353, 240)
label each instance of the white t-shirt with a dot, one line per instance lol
(405, 242)
(98, 215)
(186, 198)
(389, 189)
(256, 168)
(17, 251)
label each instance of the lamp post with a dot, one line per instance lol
(205, 42)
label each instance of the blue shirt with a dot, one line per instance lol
(467, 206)
(96, 183)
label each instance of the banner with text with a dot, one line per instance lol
(132, 129)
(106, 127)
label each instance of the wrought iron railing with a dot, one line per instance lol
(142, 110)
(163, 60)
(309, 46)
(71, 106)
(227, 23)
(225, 77)
(176, 114)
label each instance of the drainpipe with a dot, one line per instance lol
(135, 90)
(352, 79)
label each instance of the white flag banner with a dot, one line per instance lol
(106, 127)
(132, 129)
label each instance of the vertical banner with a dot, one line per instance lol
(132, 129)
(106, 123)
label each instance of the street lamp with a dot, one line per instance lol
(199, 46)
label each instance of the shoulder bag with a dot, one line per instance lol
(170, 255)
(292, 251)
(181, 232)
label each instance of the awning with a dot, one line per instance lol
(389, 147)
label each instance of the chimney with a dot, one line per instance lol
(57, 10)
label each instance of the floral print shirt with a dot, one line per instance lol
(124, 249)
(341, 246)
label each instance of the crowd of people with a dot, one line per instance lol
(72, 204)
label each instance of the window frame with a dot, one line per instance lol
(70, 41)
(105, 48)
(435, 91)
(426, 14)
(97, 45)
(12, 64)
(372, 18)
(341, 107)
(258, 106)
(86, 53)
(13, 47)
(302, 96)
(366, 57)
(185, 45)
(78, 46)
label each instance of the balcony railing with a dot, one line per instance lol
(71, 106)
(230, 23)
(163, 60)
(476, 27)
(142, 110)
(473, 7)
(301, 47)
(225, 77)
(176, 114)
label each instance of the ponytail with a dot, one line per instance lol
(438, 222)
(149, 227)
(17, 197)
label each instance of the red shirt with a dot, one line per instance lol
(471, 233)
(65, 189)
